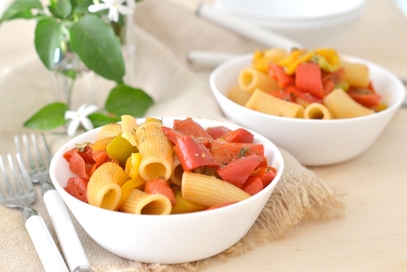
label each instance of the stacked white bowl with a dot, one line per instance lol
(313, 23)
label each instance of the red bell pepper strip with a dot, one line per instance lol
(308, 78)
(217, 132)
(77, 187)
(267, 174)
(238, 171)
(225, 152)
(253, 185)
(171, 134)
(191, 128)
(239, 135)
(193, 154)
(277, 72)
(365, 96)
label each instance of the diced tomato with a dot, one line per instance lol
(217, 132)
(77, 187)
(277, 72)
(225, 152)
(253, 185)
(239, 135)
(365, 96)
(193, 154)
(308, 78)
(160, 186)
(77, 164)
(238, 171)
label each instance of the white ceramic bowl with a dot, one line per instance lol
(312, 142)
(166, 238)
(310, 22)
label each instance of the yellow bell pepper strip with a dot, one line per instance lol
(119, 149)
(128, 186)
(132, 165)
(185, 206)
(328, 59)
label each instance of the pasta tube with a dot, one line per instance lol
(250, 79)
(129, 127)
(109, 130)
(209, 191)
(317, 111)
(177, 171)
(139, 202)
(104, 186)
(155, 150)
(266, 103)
(239, 96)
(341, 105)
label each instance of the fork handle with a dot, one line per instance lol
(68, 238)
(46, 248)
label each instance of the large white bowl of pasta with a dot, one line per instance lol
(162, 231)
(250, 91)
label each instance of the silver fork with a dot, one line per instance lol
(37, 157)
(17, 191)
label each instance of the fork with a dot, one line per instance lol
(37, 159)
(19, 192)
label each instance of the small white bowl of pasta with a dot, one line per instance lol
(312, 142)
(170, 238)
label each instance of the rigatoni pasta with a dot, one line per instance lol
(317, 111)
(209, 191)
(263, 102)
(341, 105)
(139, 202)
(104, 186)
(155, 150)
(250, 79)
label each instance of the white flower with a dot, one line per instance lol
(80, 117)
(115, 7)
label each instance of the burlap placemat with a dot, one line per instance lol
(162, 42)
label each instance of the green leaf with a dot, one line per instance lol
(62, 8)
(49, 117)
(95, 43)
(48, 35)
(20, 9)
(124, 99)
(99, 119)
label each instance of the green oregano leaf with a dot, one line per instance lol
(49, 117)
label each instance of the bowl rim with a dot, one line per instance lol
(71, 143)
(239, 59)
(356, 7)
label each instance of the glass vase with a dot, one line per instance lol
(74, 84)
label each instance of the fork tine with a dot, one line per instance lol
(8, 189)
(36, 154)
(18, 186)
